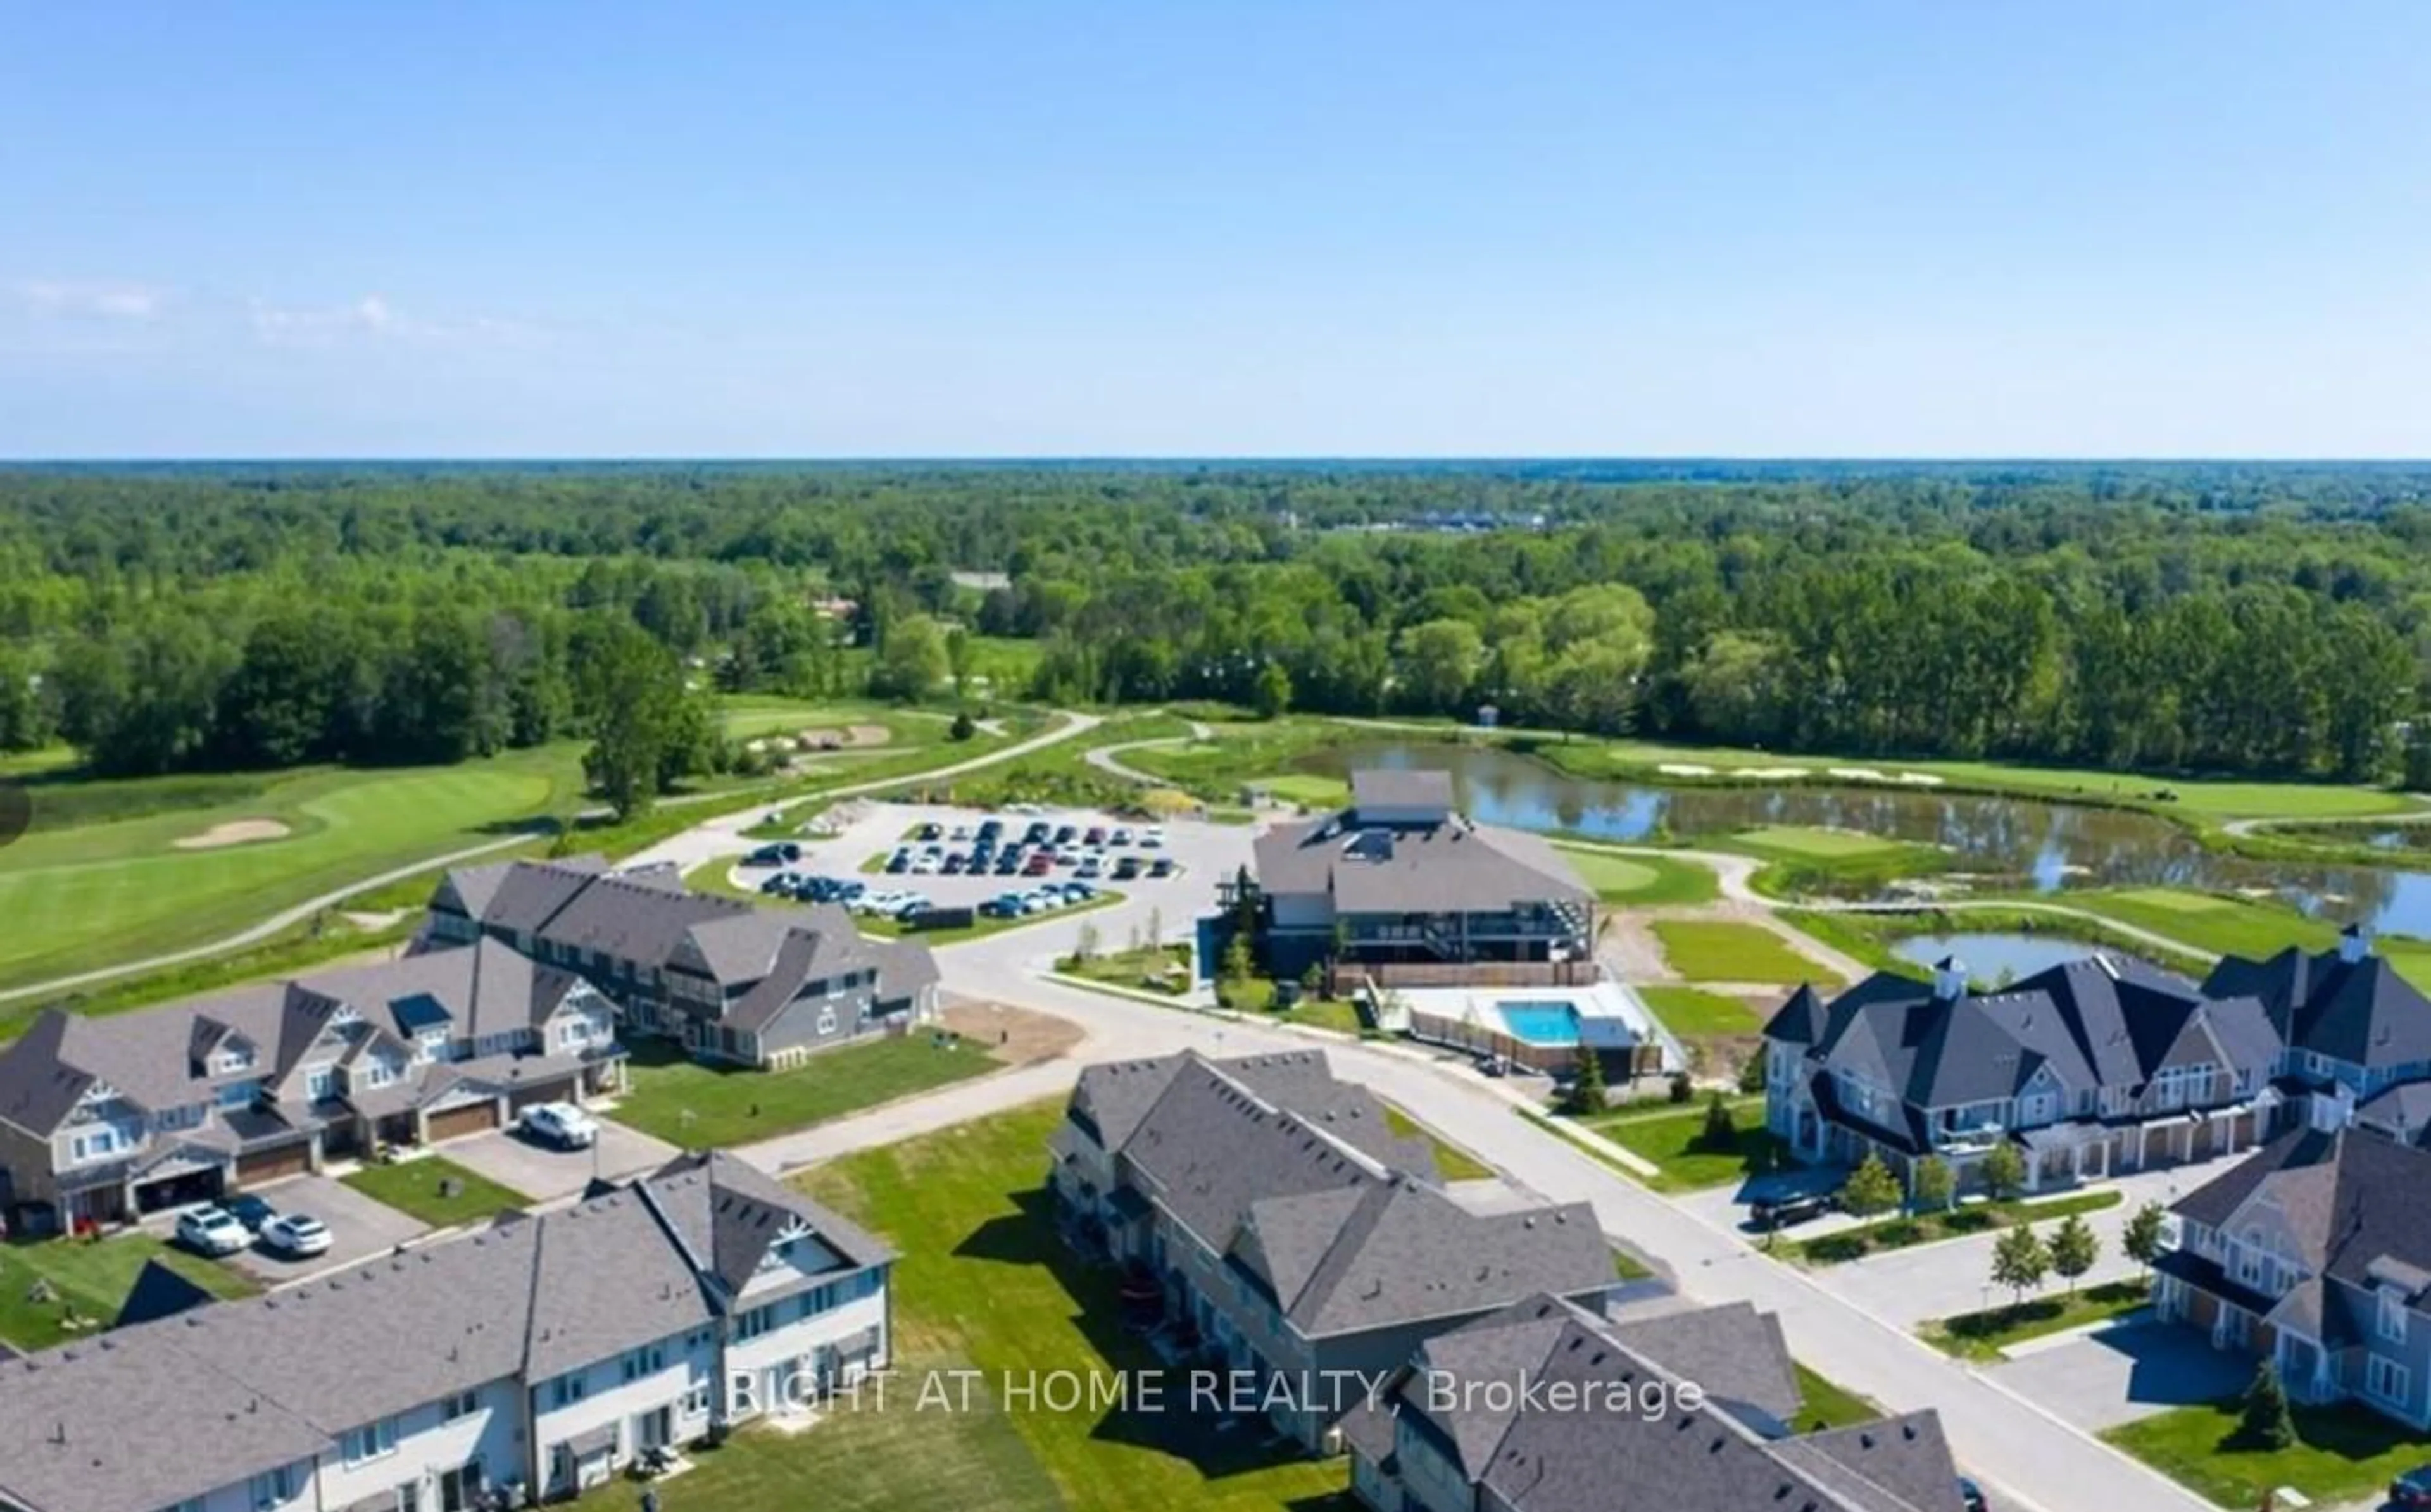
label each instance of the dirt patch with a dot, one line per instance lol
(235, 832)
(1017, 1037)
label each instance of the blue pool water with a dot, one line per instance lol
(1541, 1023)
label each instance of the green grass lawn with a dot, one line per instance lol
(1674, 1140)
(90, 895)
(2342, 1454)
(699, 1107)
(1824, 1403)
(1144, 969)
(1691, 1012)
(1452, 1162)
(1984, 1335)
(1337, 1014)
(1308, 789)
(90, 1279)
(1811, 840)
(2238, 926)
(1902, 1231)
(414, 1187)
(1706, 951)
(1641, 880)
(984, 1282)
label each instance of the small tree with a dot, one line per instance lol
(1682, 1087)
(1312, 980)
(1930, 1184)
(2020, 1262)
(1232, 972)
(1587, 1088)
(2005, 1171)
(961, 729)
(1752, 1073)
(1722, 1131)
(2266, 1423)
(2075, 1247)
(2141, 1241)
(1084, 945)
(1870, 1190)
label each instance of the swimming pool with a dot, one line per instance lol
(1541, 1023)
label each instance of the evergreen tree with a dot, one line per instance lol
(2266, 1422)
(1722, 1131)
(1586, 1085)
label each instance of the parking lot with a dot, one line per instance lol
(1201, 852)
(360, 1229)
(546, 1174)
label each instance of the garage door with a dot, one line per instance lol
(269, 1165)
(556, 1091)
(457, 1121)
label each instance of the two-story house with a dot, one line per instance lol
(534, 1358)
(1403, 887)
(2090, 1067)
(1546, 1407)
(2354, 1030)
(1296, 1229)
(731, 980)
(101, 1118)
(2316, 1254)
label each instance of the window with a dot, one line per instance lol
(378, 1073)
(572, 1032)
(94, 1144)
(233, 1058)
(463, 1404)
(755, 1322)
(647, 1360)
(319, 1084)
(2253, 1261)
(2392, 1317)
(568, 1390)
(696, 1401)
(827, 1021)
(434, 1042)
(236, 1094)
(271, 1487)
(370, 1442)
(2387, 1379)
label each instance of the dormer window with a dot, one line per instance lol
(2393, 1315)
(232, 1059)
(432, 1043)
(378, 1073)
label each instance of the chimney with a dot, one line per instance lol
(2354, 944)
(1950, 979)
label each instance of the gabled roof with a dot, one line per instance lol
(1535, 1456)
(1451, 867)
(2352, 1203)
(727, 1212)
(2360, 1011)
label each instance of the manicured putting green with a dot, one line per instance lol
(2175, 899)
(1802, 840)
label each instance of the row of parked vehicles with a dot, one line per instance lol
(991, 849)
(1044, 899)
(245, 1220)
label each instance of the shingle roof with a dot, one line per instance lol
(2360, 1012)
(1454, 867)
(2350, 1202)
(1400, 787)
(1535, 1456)
(727, 1212)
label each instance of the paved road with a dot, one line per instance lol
(2032, 1457)
(1108, 758)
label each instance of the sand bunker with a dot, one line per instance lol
(1684, 769)
(1922, 779)
(1858, 775)
(235, 832)
(1771, 773)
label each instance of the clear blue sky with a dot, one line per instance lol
(1239, 228)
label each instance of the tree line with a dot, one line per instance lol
(2231, 618)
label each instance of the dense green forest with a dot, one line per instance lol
(2226, 617)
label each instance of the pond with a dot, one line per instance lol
(2044, 846)
(1992, 957)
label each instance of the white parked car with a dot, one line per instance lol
(211, 1230)
(297, 1236)
(561, 1124)
(1152, 838)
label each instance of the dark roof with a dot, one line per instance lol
(1452, 867)
(1401, 787)
(2350, 1201)
(1536, 1456)
(2360, 1011)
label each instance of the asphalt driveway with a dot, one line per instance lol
(2129, 1370)
(359, 1228)
(546, 1174)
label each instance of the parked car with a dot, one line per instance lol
(1153, 837)
(900, 861)
(1066, 833)
(1970, 1495)
(1769, 1213)
(960, 833)
(1120, 837)
(931, 830)
(956, 864)
(561, 1124)
(296, 1236)
(249, 1209)
(1161, 867)
(1035, 834)
(2410, 1491)
(1128, 868)
(1097, 835)
(1038, 865)
(766, 856)
(211, 1231)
